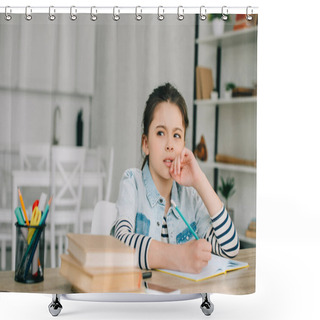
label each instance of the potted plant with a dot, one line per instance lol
(217, 23)
(227, 190)
(229, 87)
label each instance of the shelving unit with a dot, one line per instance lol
(218, 43)
(230, 37)
(226, 166)
(220, 102)
(245, 239)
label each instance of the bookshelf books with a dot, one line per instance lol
(204, 83)
(234, 160)
(243, 92)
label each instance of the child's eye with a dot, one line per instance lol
(160, 133)
(177, 135)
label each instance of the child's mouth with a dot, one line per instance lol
(168, 162)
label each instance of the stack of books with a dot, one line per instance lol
(243, 92)
(251, 231)
(98, 263)
(234, 160)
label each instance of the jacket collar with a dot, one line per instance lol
(152, 193)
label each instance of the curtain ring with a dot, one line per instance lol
(224, 15)
(73, 13)
(116, 16)
(203, 15)
(180, 15)
(248, 16)
(28, 12)
(7, 16)
(160, 15)
(93, 16)
(138, 16)
(52, 17)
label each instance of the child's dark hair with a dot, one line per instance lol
(164, 93)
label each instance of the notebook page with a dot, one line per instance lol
(217, 265)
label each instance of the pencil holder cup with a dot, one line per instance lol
(29, 253)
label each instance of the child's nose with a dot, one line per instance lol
(169, 144)
(169, 147)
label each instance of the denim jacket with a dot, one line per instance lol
(140, 202)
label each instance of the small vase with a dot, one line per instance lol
(218, 27)
(214, 95)
(228, 94)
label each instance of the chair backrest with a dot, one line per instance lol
(105, 166)
(5, 235)
(104, 216)
(34, 156)
(66, 179)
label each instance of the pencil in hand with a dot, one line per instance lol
(184, 219)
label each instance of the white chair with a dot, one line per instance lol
(104, 169)
(66, 188)
(104, 215)
(5, 235)
(5, 211)
(34, 156)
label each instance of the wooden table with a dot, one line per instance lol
(53, 283)
(235, 282)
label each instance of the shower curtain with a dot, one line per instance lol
(61, 75)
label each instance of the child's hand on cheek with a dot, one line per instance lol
(185, 169)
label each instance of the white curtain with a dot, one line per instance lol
(105, 68)
(132, 58)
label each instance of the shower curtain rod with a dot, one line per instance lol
(138, 10)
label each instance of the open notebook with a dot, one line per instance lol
(216, 266)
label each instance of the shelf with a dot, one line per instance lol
(242, 44)
(227, 166)
(240, 100)
(231, 37)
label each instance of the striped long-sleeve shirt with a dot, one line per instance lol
(142, 218)
(221, 234)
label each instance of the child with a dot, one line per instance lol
(146, 220)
